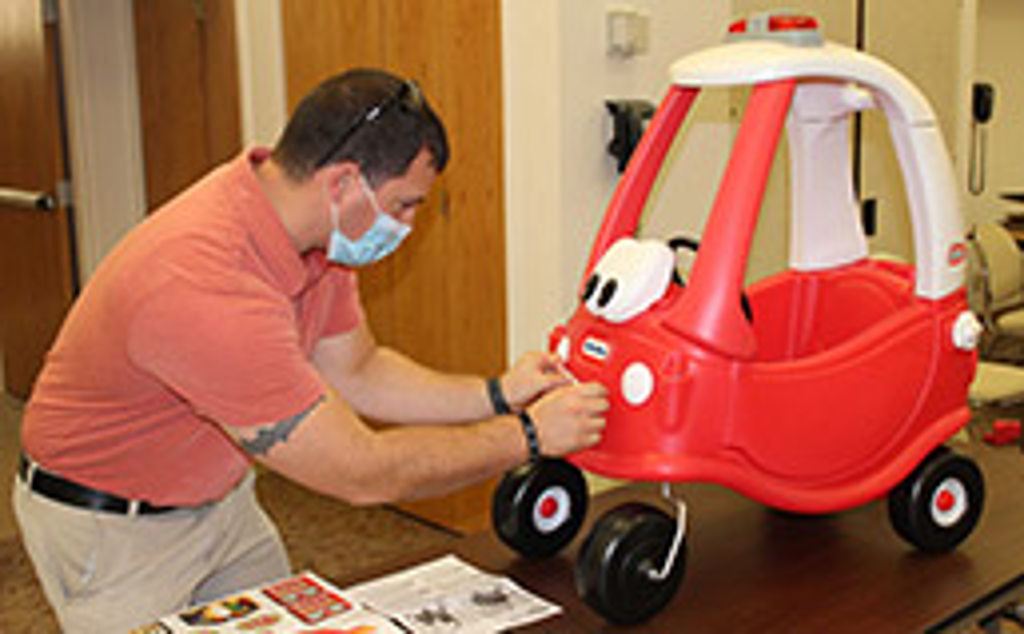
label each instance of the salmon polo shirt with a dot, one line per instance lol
(205, 313)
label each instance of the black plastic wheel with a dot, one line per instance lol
(538, 508)
(613, 570)
(938, 505)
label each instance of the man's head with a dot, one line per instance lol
(368, 117)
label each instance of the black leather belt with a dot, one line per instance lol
(61, 490)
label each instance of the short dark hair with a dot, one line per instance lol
(368, 116)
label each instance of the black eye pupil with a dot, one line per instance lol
(591, 286)
(607, 292)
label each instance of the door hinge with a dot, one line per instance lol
(62, 192)
(50, 10)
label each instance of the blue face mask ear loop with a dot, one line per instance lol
(371, 195)
(333, 208)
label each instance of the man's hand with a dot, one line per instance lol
(533, 375)
(570, 418)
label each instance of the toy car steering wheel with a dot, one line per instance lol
(684, 242)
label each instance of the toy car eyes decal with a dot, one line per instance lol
(608, 289)
(629, 277)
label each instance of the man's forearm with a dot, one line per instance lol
(389, 386)
(327, 448)
(486, 449)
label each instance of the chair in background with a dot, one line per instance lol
(996, 396)
(996, 292)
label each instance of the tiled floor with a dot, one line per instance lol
(10, 423)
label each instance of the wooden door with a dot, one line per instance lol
(36, 260)
(189, 108)
(441, 297)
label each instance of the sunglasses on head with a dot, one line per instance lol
(408, 96)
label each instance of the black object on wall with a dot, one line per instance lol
(983, 103)
(869, 216)
(628, 116)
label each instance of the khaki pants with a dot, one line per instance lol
(107, 573)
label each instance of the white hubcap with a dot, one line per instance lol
(551, 509)
(949, 502)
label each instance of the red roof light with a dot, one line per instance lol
(739, 26)
(791, 23)
(788, 28)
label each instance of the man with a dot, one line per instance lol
(227, 328)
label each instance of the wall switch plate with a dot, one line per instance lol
(627, 31)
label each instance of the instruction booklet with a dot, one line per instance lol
(446, 595)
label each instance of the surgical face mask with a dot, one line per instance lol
(376, 243)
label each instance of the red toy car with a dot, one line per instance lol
(820, 388)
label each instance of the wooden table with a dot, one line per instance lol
(751, 569)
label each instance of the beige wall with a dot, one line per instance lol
(1000, 25)
(927, 52)
(559, 176)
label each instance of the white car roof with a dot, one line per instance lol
(758, 61)
(829, 76)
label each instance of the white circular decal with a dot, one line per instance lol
(637, 383)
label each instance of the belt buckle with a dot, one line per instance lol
(29, 468)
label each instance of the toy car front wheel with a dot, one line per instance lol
(539, 507)
(618, 565)
(938, 505)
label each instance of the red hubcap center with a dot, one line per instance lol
(945, 501)
(548, 507)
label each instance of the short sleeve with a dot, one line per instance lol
(234, 355)
(343, 308)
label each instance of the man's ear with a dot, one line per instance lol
(337, 176)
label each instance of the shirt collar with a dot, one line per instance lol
(292, 271)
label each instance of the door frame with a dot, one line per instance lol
(107, 184)
(105, 129)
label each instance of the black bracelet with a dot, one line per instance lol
(530, 431)
(498, 402)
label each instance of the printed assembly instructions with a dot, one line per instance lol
(450, 595)
(446, 595)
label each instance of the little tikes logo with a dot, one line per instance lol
(595, 349)
(957, 254)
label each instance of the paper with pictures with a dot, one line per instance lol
(448, 595)
(303, 603)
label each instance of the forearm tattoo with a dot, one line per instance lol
(276, 433)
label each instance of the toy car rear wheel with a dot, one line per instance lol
(938, 505)
(614, 570)
(539, 507)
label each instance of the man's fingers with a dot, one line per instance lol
(586, 391)
(550, 361)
